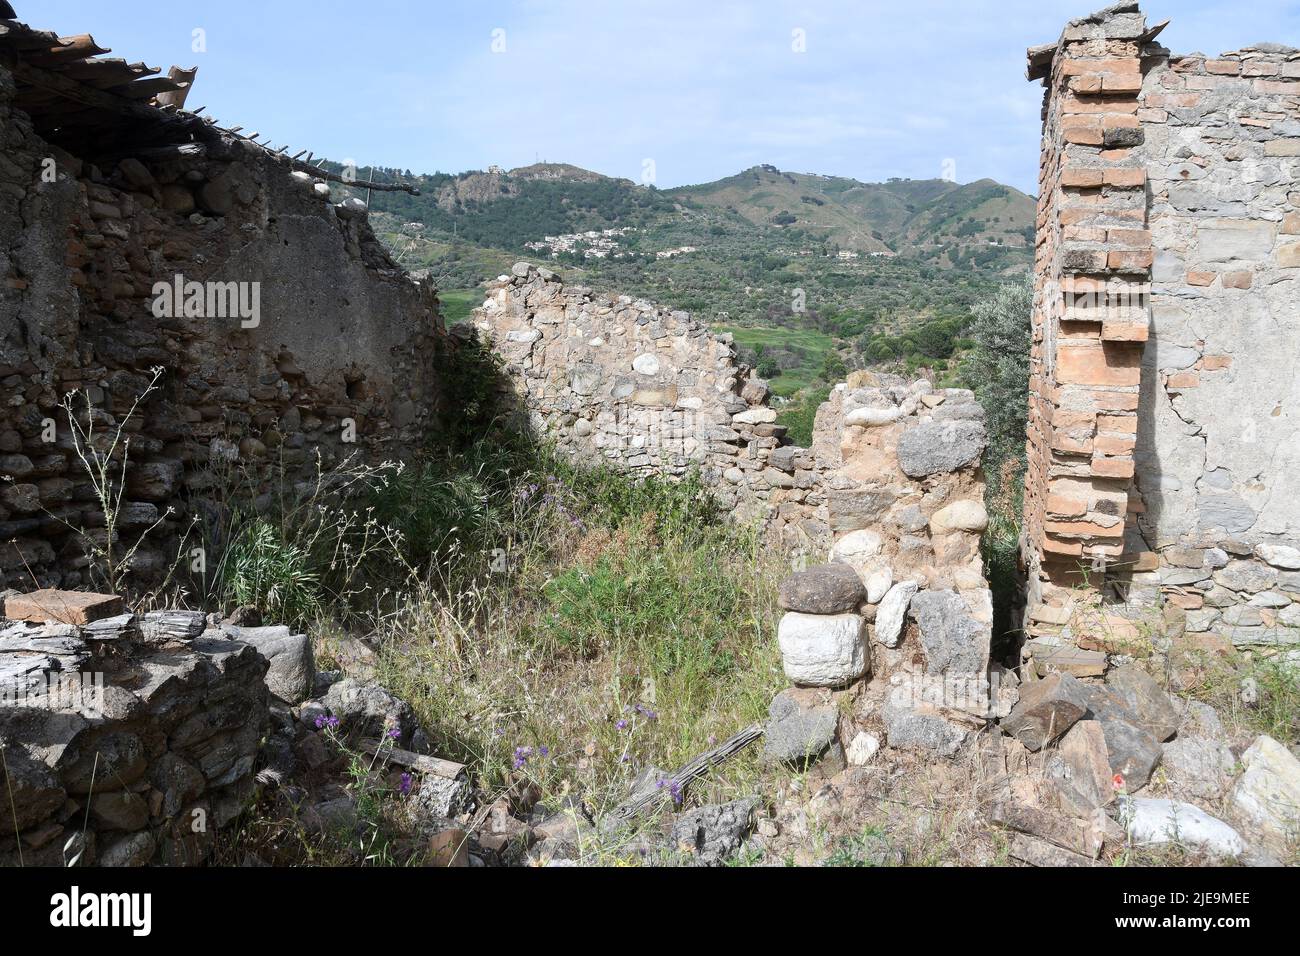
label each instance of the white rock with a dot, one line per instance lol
(352, 207)
(582, 428)
(856, 546)
(1153, 822)
(822, 650)
(872, 417)
(1268, 792)
(646, 364)
(892, 611)
(322, 190)
(734, 475)
(878, 585)
(960, 516)
(862, 749)
(755, 416)
(1279, 555)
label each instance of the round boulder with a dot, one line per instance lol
(825, 589)
(823, 650)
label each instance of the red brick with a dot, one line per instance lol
(1077, 65)
(1081, 529)
(1065, 506)
(1121, 82)
(1130, 260)
(1115, 331)
(1223, 67)
(1081, 178)
(1083, 365)
(1084, 136)
(1112, 467)
(1129, 178)
(1124, 424)
(1114, 445)
(1082, 105)
(62, 607)
(1068, 548)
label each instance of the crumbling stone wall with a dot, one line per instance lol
(1161, 459)
(890, 494)
(900, 619)
(624, 382)
(342, 357)
(891, 484)
(126, 741)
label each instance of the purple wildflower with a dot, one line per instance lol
(621, 725)
(323, 722)
(394, 733)
(674, 789)
(521, 756)
(405, 787)
(544, 750)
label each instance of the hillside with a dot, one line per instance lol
(805, 269)
(897, 217)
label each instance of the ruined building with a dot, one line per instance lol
(134, 236)
(1162, 437)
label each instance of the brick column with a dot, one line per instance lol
(1090, 320)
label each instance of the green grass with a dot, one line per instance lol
(595, 625)
(801, 414)
(457, 304)
(815, 345)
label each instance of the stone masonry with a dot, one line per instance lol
(340, 359)
(891, 491)
(126, 740)
(1162, 466)
(627, 383)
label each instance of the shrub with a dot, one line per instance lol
(267, 572)
(997, 369)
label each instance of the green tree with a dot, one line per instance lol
(997, 369)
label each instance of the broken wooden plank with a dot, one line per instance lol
(691, 770)
(436, 766)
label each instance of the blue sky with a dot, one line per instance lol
(703, 88)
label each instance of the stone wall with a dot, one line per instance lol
(648, 390)
(344, 341)
(125, 740)
(890, 493)
(1161, 467)
(902, 615)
